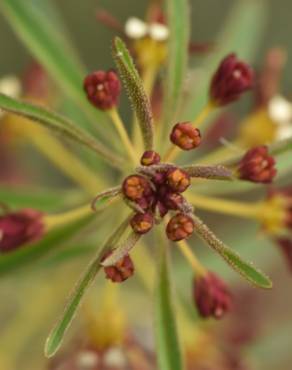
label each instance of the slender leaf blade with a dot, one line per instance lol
(57, 123)
(56, 336)
(135, 90)
(245, 269)
(178, 15)
(168, 347)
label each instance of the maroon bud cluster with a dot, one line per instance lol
(121, 271)
(257, 166)
(212, 296)
(157, 193)
(103, 89)
(19, 228)
(232, 78)
(185, 136)
(179, 227)
(149, 158)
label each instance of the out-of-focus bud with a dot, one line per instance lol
(212, 296)
(142, 222)
(136, 187)
(232, 78)
(185, 136)
(257, 166)
(149, 158)
(103, 89)
(178, 180)
(19, 228)
(285, 245)
(121, 271)
(179, 227)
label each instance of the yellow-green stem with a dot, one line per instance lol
(235, 208)
(120, 127)
(190, 256)
(61, 219)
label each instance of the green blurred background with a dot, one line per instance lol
(93, 39)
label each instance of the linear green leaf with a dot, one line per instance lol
(178, 15)
(168, 347)
(247, 17)
(49, 44)
(245, 269)
(56, 336)
(135, 90)
(59, 124)
(30, 253)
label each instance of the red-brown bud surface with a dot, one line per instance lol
(257, 166)
(212, 296)
(232, 78)
(142, 222)
(121, 271)
(18, 228)
(149, 158)
(179, 227)
(285, 245)
(185, 136)
(173, 200)
(136, 187)
(178, 180)
(103, 89)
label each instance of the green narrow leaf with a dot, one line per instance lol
(245, 269)
(135, 90)
(49, 44)
(168, 348)
(56, 336)
(29, 253)
(57, 123)
(178, 16)
(241, 34)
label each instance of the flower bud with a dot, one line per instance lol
(142, 222)
(173, 200)
(185, 136)
(232, 78)
(103, 89)
(121, 271)
(285, 245)
(257, 166)
(136, 187)
(149, 158)
(179, 227)
(212, 296)
(18, 228)
(178, 180)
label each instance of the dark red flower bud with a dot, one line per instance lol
(150, 157)
(285, 245)
(142, 222)
(257, 166)
(212, 296)
(103, 89)
(185, 136)
(179, 227)
(136, 187)
(232, 78)
(173, 200)
(121, 271)
(18, 228)
(178, 180)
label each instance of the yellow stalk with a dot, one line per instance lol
(60, 219)
(190, 256)
(235, 208)
(116, 119)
